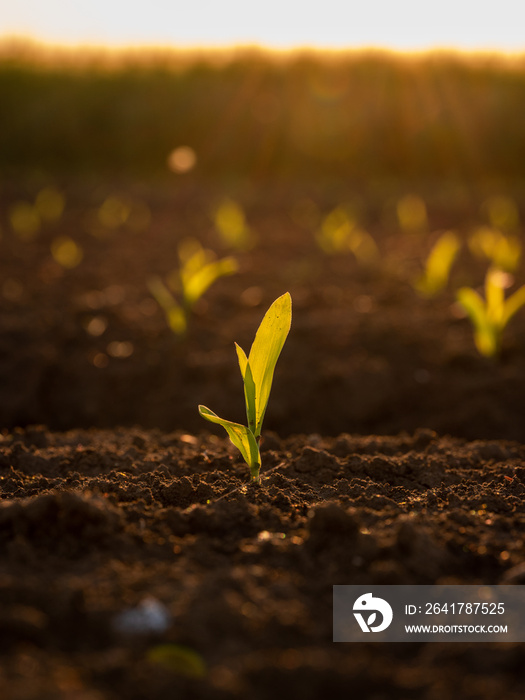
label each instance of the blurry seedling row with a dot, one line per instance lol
(28, 218)
(338, 232)
(115, 212)
(498, 243)
(502, 251)
(490, 315)
(500, 212)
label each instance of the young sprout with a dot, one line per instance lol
(230, 222)
(339, 232)
(257, 373)
(438, 265)
(503, 250)
(491, 315)
(197, 272)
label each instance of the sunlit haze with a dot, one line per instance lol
(401, 25)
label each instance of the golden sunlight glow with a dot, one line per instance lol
(401, 25)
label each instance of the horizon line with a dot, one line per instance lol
(17, 41)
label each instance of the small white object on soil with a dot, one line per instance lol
(149, 616)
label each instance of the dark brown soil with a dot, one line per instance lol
(393, 454)
(94, 523)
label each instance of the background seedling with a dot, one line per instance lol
(230, 222)
(197, 272)
(438, 265)
(339, 232)
(257, 373)
(490, 316)
(503, 250)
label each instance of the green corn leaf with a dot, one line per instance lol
(439, 263)
(486, 334)
(161, 293)
(474, 306)
(487, 341)
(257, 373)
(495, 296)
(507, 254)
(513, 304)
(249, 387)
(241, 436)
(195, 282)
(177, 320)
(193, 256)
(265, 351)
(174, 312)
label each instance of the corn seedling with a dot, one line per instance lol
(490, 316)
(257, 373)
(230, 222)
(339, 232)
(198, 270)
(503, 250)
(438, 265)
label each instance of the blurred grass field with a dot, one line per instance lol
(252, 115)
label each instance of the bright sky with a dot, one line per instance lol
(397, 24)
